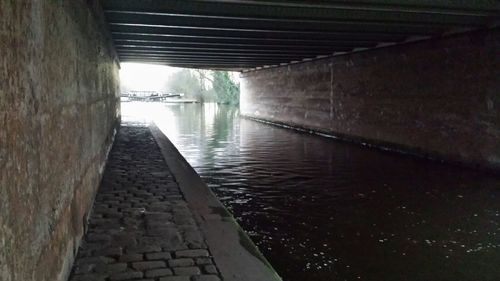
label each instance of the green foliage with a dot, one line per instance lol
(205, 86)
(186, 82)
(226, 90)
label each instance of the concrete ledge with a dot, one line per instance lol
(236, 256)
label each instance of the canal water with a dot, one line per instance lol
(324, 210)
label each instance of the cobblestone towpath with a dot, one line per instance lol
(141, 227)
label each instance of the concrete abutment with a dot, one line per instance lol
(437, 98)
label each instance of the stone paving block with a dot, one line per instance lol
(131, 257)
(191, 253)
(109, 252)
(123, 241)
(140, 220)
(175, 278)
(94, 260)
(84, 268)
(129, 275)
(210, 269)
(98, 237)
(191, 270)
(183, 219)
(144, 249)
(174, 247)
(159, 272)
(180, 262)
(158, 216)
(111, 268)
(160, 208)
(93, 245)
(168, 231)
(174, 197)
(160, 174)
(203, 261)
(159, 256)
(143, 265)
(167, 243)
(193, 237)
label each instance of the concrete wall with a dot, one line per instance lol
(58, 109)
(439, 98)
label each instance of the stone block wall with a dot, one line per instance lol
(438, 98)
(59, 107)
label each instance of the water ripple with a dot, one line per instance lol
(326, 210)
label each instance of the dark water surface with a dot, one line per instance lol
(323, 210)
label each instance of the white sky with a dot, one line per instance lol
(149, 77)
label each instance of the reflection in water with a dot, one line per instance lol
(326, 210)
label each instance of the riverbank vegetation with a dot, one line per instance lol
(202, 85)
(205, 85)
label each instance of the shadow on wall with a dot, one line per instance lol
(59, 108)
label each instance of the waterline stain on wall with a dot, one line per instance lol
(436, 98)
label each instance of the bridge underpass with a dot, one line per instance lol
(418, 77)
(395, 74)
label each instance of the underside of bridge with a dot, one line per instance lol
(417, 76)
(246, 34)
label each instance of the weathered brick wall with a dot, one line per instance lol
(58, 110)
(436, 98)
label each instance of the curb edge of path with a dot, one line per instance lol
(234, 253)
